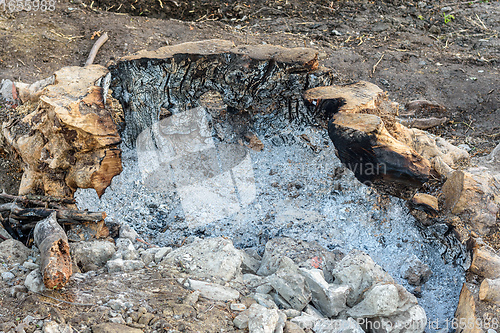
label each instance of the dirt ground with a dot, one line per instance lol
(443, 51)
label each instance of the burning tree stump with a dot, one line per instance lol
(55, 263)
(69, 140)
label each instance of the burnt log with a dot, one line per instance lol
(366, 147)
(261, 79)
(55, 259)
(69, 140)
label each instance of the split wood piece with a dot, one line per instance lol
(55, 259)
(424, 123)
(69, 140)
(490, 291)
(475, 198)
(426, 202)
(424, 108)
(352, 98)
(485, 263)
(468, 310)
(365, 146)
(443, 155)
(259, 78)
(32, 92)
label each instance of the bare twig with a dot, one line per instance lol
(63, 301)
(95, 48)
(378, 62)
(460, 3)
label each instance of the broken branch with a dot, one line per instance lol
(95, 48)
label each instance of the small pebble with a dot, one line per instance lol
(7, 276)
(238, 307)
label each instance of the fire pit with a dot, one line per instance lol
(202, 159)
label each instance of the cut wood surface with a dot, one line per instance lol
(353, 98)
(485, 263)
(490, 291)
(55, 259)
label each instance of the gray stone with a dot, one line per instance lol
(16, 291)
(127, 231)
(192, 298)
(265, 300)
(241, 320)
(120, 265)
(238, 307)
(292, 313)
(280, 301)
(118, 320)
(13, 252)
(249, 263)
(265, 288)
(254, 281)
(304, 254)
(329, 299)
(290, 284)
(414, 320)
(383, 300)
(114, 328)
(116, 304)
(261, 319)
(125, 250)
(312, 311)
(359, 272)
(54, 327)
(34, 281)
(305, 321)
(337, 326)
(6, 90)
(213, 291)
(148, 255)
(446, 9)
(161, 253)
(92, 254)
(7, 276)
(415, 271)
(213, 257)
(280, 326)
(30, 265)
(291, 327)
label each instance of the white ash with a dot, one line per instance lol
(294, 187)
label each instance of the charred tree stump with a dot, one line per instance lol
(55, 265)
(259, 78)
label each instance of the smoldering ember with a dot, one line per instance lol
(220, 186)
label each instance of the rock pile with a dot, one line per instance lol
(295, 286)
